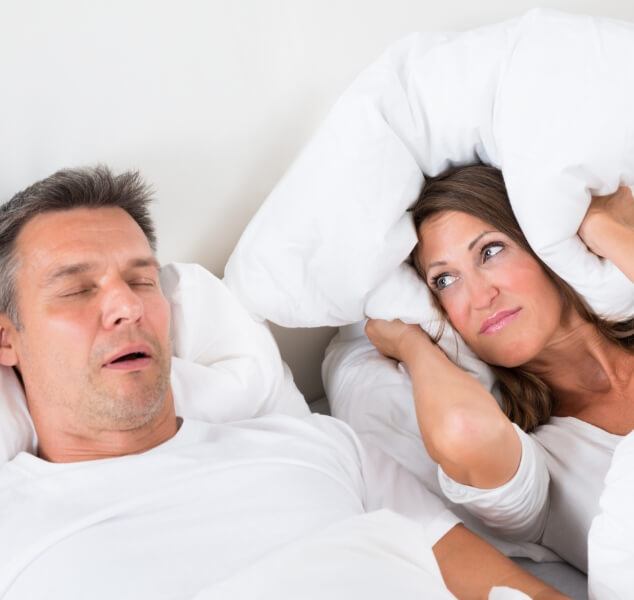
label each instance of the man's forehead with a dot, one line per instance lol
(79, 220)
(81, 238)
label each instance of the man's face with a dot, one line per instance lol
(93, 343)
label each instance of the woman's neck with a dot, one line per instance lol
(581, 366)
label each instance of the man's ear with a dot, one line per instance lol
(8, 334)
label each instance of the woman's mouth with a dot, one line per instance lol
(499, 321)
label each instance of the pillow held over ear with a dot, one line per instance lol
(546, 98)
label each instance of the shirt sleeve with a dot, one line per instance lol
(382, 483)
(610, 545)
(516, 510)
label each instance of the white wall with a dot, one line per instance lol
(211, 100)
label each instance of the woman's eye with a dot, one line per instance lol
(490, 250)
(440, 282)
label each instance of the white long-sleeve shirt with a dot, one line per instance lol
(555, 492)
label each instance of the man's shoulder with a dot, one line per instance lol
(279, 422)
(321, 431)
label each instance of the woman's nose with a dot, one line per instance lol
(482, 292)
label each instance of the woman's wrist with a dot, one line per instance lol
(618, 247)
(412, 344)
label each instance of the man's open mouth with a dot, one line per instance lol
(129, 358)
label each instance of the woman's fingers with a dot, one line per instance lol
(603, 213)
(608, 229)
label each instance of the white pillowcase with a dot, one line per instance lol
(222, 356)
(16, 429)
(546, 97)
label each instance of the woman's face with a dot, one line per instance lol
(495, 294)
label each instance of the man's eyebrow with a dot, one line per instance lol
(84, 267)
(148, 261)
(68, 271)
(441, 263)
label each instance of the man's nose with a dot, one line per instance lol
(482, 291)
(120, 305)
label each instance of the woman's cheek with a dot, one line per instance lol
(456, 310)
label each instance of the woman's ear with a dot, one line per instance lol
(8, 355)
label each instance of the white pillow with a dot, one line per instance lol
(546, 97)
(16, 428)
(223, 357)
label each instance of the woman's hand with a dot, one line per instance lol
(608, 229)
(395, 339)
(603, 214)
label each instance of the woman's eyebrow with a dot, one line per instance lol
(442, 263)
(475, 241)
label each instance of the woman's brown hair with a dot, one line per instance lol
(479, 191)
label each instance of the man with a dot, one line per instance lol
(127, 500)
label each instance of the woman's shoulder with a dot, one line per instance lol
(575, 446)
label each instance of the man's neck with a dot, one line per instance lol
(97, 444)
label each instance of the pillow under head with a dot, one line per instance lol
(225, 367)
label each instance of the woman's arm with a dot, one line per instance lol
(463, 428)
(608, 229)
(471, 567)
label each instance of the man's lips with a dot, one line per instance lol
(499, 320)
(132, 357)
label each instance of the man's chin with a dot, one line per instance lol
(125, 417)
(127, 407)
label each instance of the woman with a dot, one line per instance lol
(563, 373)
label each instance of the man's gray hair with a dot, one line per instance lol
(90, 187)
